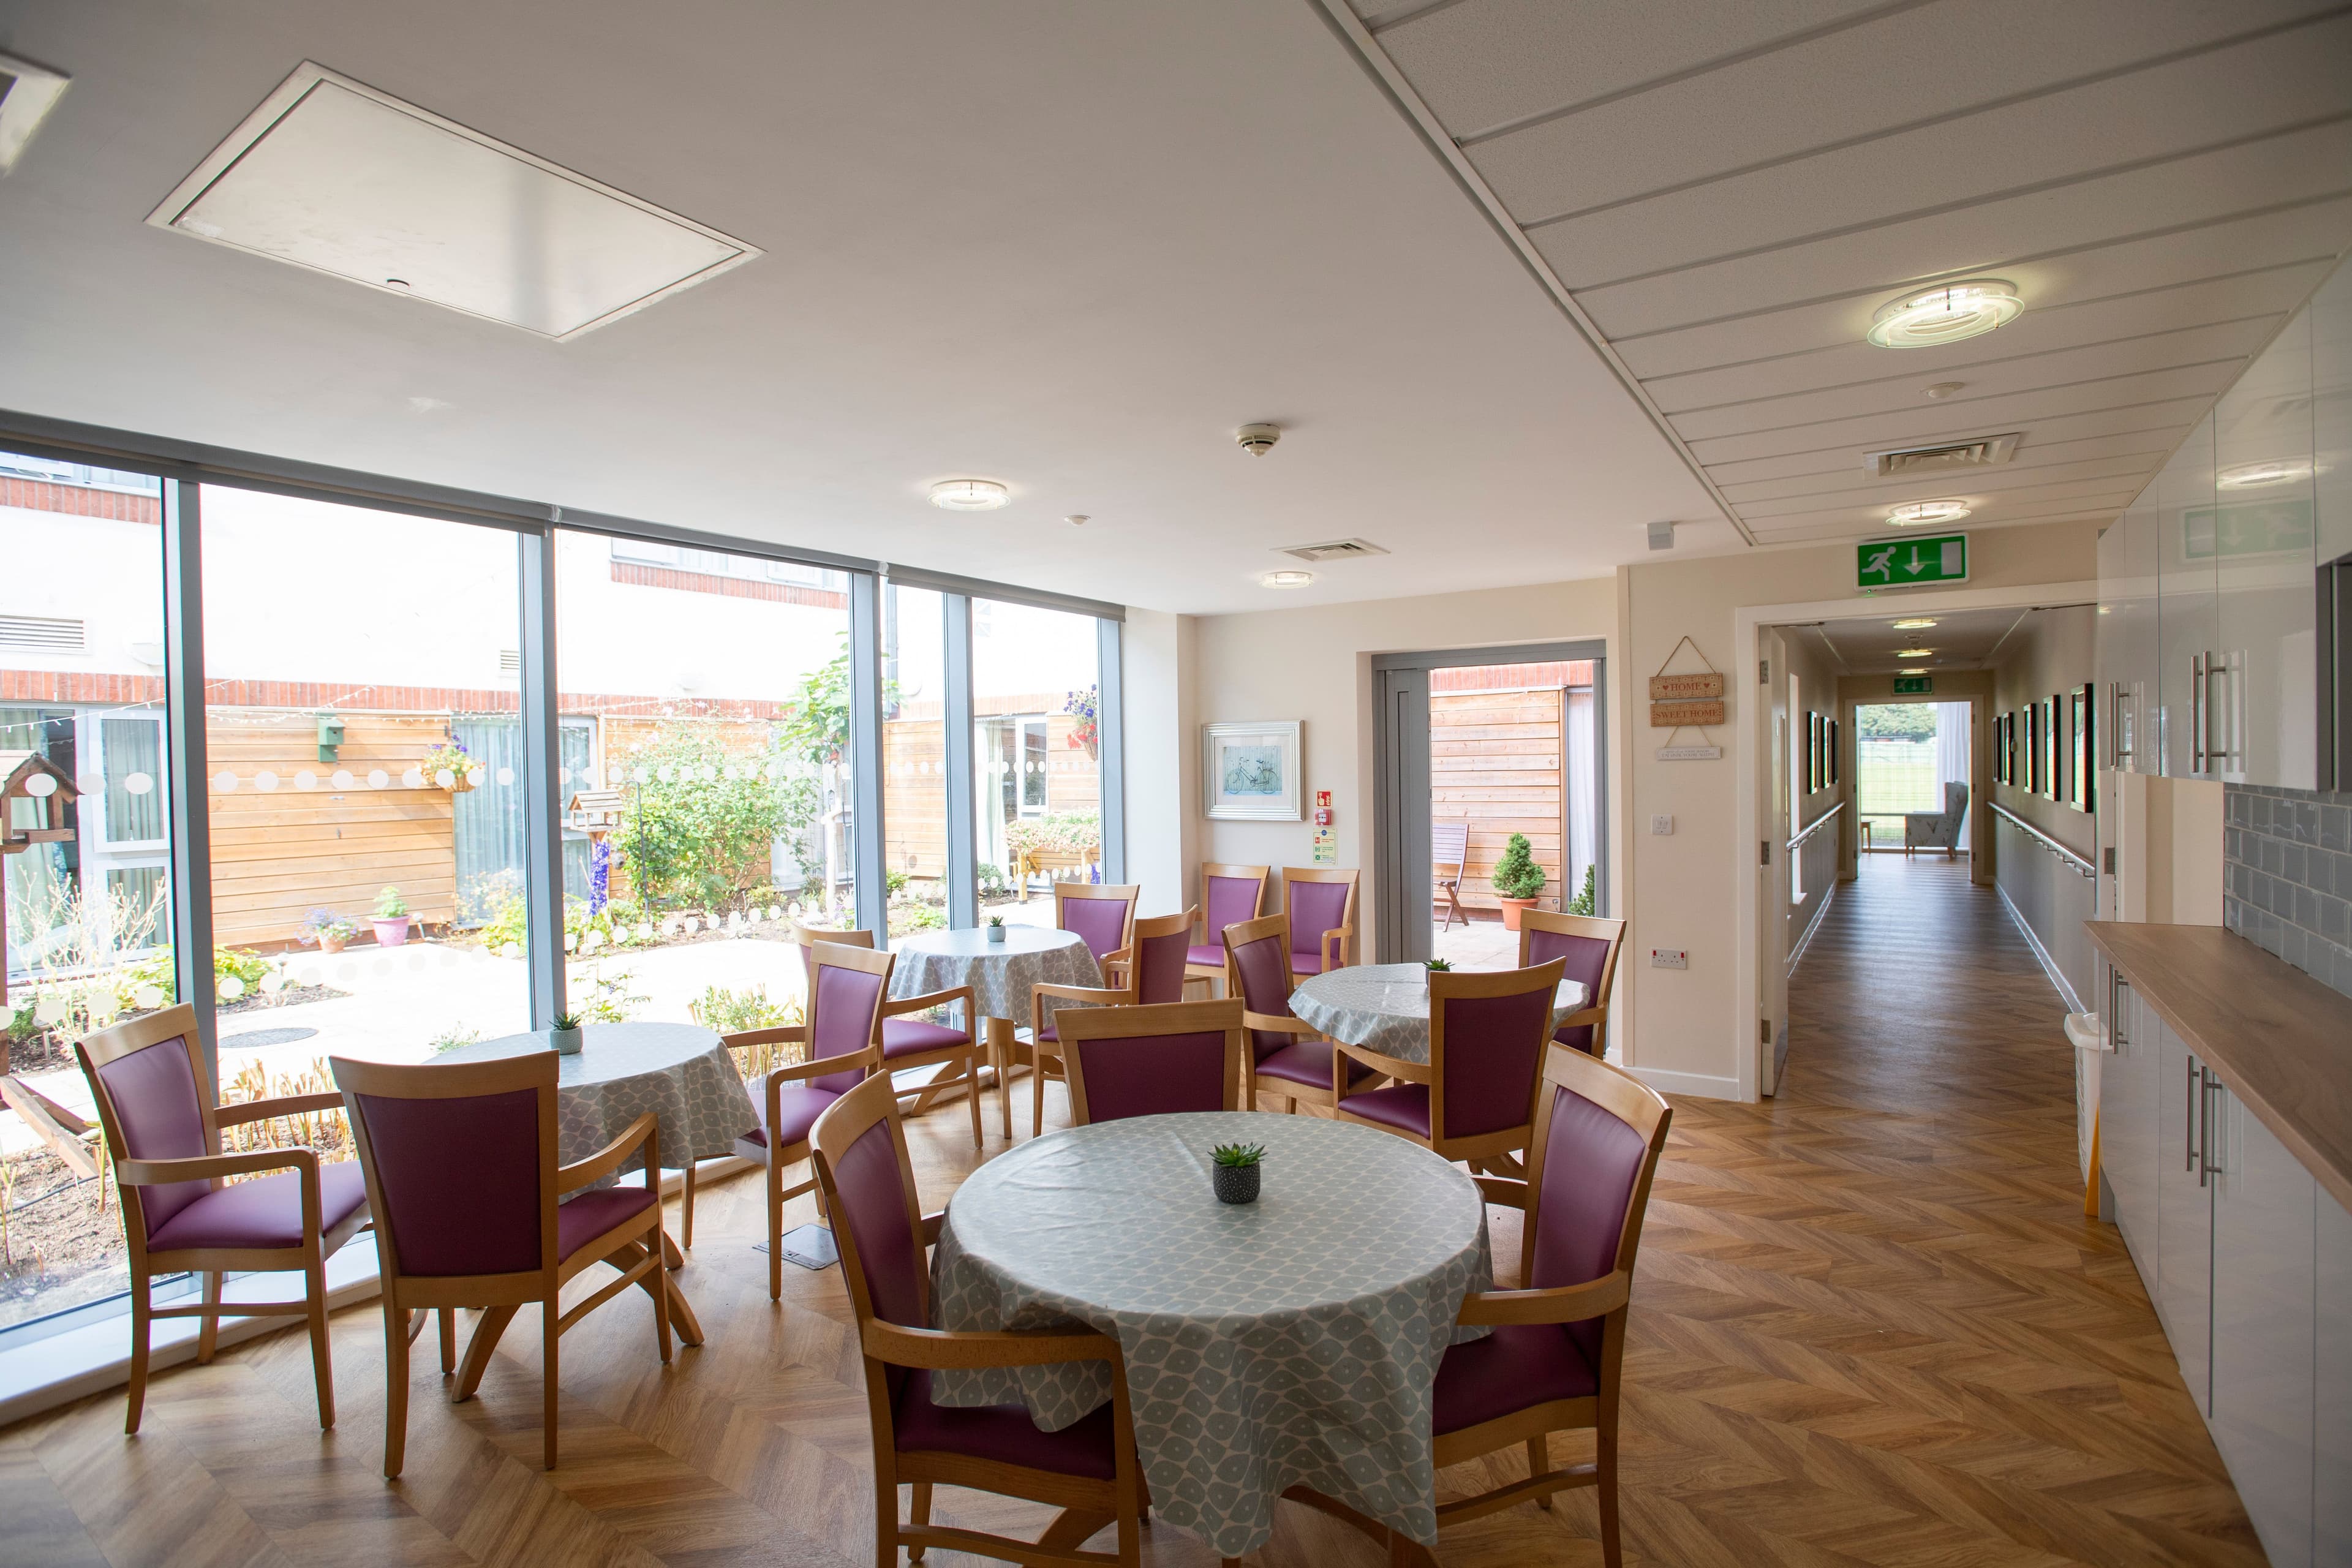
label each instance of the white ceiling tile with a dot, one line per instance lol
(2106, 496)
(1818, 530)
(2034, 463)
(2166, 111)
(2057, 433)
(1485, 63)
(2305, 165)
(2092, 476)
(2308, 236)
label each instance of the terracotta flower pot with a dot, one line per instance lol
(330, 944)
(1512, 909)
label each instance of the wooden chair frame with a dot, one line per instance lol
(1444, 985)
(1338, 943)
(867, 961)
(1293, 1094)
(103, 1046)
(967, 1058)
(633, 1247)
(1456, 853)
(1262, 875)
(1595, 1010)
(1044, 1061)
(1643, 1108)
(1087, 1505)
(1066, 893)
(1139, 1023)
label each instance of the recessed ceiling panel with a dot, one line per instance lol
(331, 174)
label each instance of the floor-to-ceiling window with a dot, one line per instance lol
(915, 794)
(1036, 771)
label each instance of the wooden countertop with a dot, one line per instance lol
(2278, 1038)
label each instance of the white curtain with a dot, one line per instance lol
(1952, 756)
(1579, 768)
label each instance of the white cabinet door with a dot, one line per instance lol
(2263, 1229)
(2260, 536)
(2183, 1287)
(2127, 1131)
(2331, 1424)
(2188, 616)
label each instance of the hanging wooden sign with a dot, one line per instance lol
(1676, 715)
(1682, 688)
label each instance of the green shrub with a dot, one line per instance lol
(1582, 903)
(1516, 875)
(732, 1012)
(1064, 832)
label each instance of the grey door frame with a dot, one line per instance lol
(1400, 781)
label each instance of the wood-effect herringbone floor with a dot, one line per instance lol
(1872, 1326)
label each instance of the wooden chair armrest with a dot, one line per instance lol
(781, 1034)
(841, 1062)
(607, 1160)
(1102, 996)
(1562, 1304)
(942, 1350)
(1330, 947)
(928, 1000)
(1392, 1066)
(931, 1223)
(1503, 1191)
(1595, 1017)
(242, 1111)
(203, 1167)
(1284, 1026)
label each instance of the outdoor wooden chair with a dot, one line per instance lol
(1288, 1057)
(179, 1215)
(912, 1042)
(1229, 895)
(461, 1170)
(1588, 948)
(1153, 1060)
(1320, 904)
(1449, 857)
(1089, 1470)
(1474, 1100)
(1156, 978)
(846, 987)
(1556, 1358)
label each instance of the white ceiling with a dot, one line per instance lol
(1066, 245)
(1727, 192)
(1960, 639)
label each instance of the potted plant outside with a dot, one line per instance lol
(391, 918)
(1236, 1174)
(996, 928)
(1516, 880)
(329, 930)
(565, 1037)
(450, 765)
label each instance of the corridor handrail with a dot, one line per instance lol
(2081, 867)
(1815, 825)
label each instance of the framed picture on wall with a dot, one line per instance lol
(1833, 751)
(2055, 740)
(1250, 772)
(2082, 785)
(2004, 749)
(2036, 757)
(1812, 752)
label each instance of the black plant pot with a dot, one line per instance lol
(1235, 1184)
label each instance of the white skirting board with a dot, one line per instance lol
(1705, 1086)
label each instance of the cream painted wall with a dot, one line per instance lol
(1158, 686)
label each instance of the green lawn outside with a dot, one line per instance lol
(1893, 777)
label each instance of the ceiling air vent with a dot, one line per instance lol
(1919, 462)
(51, 633)
(27, 93)
(1335, 549)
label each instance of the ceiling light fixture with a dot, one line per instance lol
(1288, 579)
(1945, 314)
(1944, 389)
(970, 495)
(1914, 653)
(2252, 476)
(1917, 623)
(1919, 511)
(1910, 672)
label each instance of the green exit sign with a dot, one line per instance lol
(1914, 685)
(1911, 562)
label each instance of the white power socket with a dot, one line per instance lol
(1669, 958)
(1661, 824)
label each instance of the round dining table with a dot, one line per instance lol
(681, 1074)
(1000, 973)
(1384, 1007)
(1291, 1343)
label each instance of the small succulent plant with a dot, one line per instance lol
(996, 920)
(1435, 964)
(569, 1021)
(1238, 1153)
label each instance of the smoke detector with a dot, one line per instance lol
(1335, 549)
(1257, 440)
(1943, 457)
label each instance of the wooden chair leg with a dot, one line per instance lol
(1037, 1091)
(661, 1311)
(775, 1229)
(323, 1361)
(493, 1324)
(448, 1327)
(208, 1326)
(685, 1219)
(396, 1385)
(972, 1087)
(552, 1335)
(920, 1512)
(1604, 1455)
(1540, 1463)
(139, 1308)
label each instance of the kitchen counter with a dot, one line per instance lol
(2278, 1039)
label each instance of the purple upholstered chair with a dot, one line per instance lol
(461, 1170)
(1156, 978)
(1475, 1098)
(163, 1132)
(1287, 1058)
(1152, 1061)
(1321, 904)
(1555, 1358)
(846, 984)
(869, 1190)
(1104, 918)
(908, 1042)
(1587, 949)
(1230, 895)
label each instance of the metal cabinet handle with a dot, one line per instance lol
(2199, 672)
(2207, 1085)
(2116, 986)
(2189, 1135)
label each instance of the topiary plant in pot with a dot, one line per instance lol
(1516, 880)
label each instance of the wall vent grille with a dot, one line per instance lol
(1918, 462)
(50, 633)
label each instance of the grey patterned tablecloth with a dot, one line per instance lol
(1385, 1007)
(679, 1072)
(999, 972)
(1285, 1343)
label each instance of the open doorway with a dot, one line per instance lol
(1913, 777)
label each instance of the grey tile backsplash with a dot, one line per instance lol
(2288, 870)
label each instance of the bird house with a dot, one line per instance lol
(47, 789)
(596, 812)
